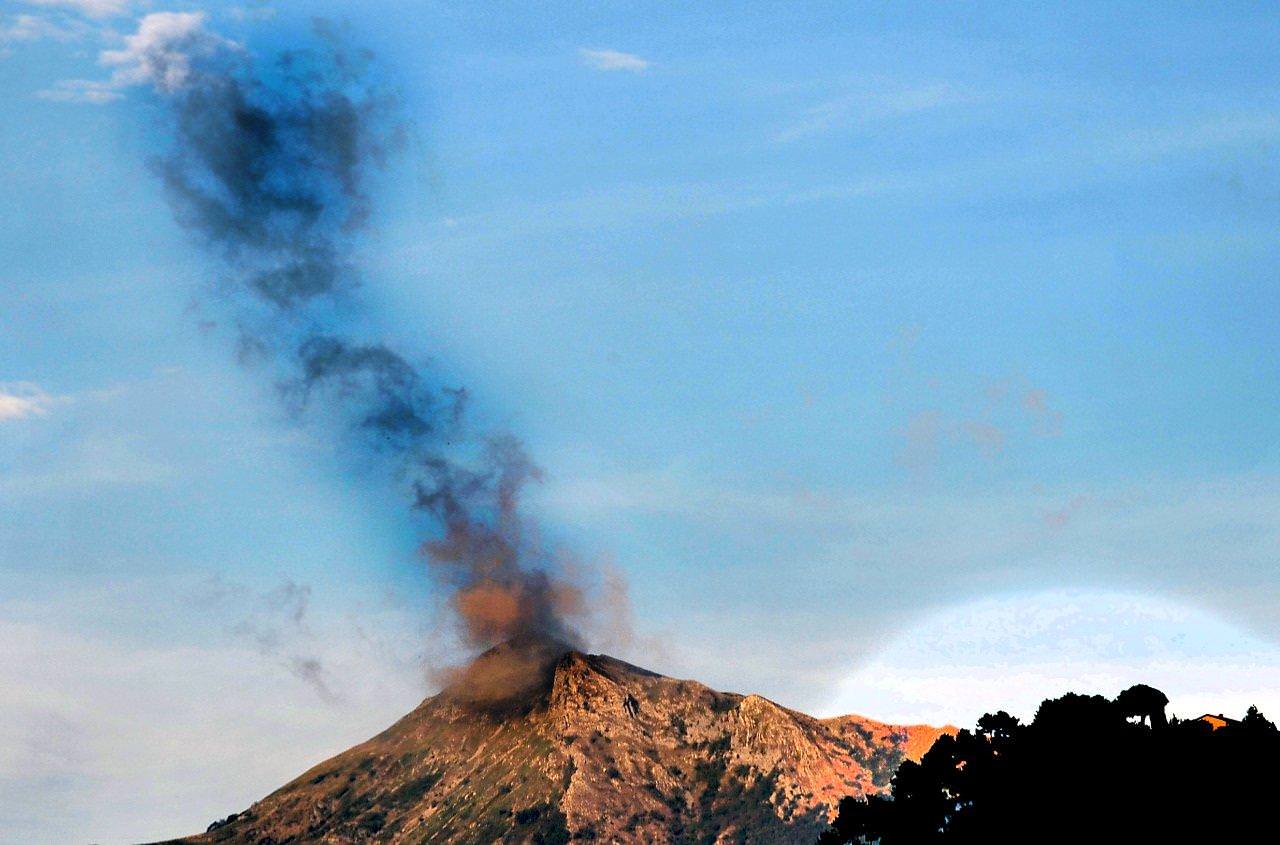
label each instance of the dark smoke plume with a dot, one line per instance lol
(268, 166)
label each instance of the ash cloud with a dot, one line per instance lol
(268, 165)
(275, 624)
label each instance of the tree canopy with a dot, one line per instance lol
(1086, 769)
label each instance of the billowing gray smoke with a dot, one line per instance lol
(268, 166)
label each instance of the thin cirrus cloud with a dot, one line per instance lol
(93, 463)
(30, 28)
(867, 106)
(89, 8)
(613, 60)
(1155, 536)
(91, 91)
(1089, 160)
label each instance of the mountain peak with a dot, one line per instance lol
(514, 675)
(537, 741)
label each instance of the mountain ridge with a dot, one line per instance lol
(542, 745)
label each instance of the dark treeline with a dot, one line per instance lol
(1086, 769)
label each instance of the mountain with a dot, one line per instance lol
(538, 744)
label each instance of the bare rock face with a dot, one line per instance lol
(539, 744)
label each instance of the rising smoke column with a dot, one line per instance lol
(267, 165)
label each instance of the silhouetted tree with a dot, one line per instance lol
(1256, 721)
(998, 727)
(1147, 703)
(1081, 771)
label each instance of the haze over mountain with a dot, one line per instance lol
(536, 743)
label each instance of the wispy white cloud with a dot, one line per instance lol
(161, 53)
(1162, 535)
(29, 28)
(613, 60)
(22, 400)
(679, 493)
(92, 91)
(251, 13)
(1088, 161)
(89, 464)
(871, 105)
(89, 8)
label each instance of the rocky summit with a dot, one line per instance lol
(545, 745)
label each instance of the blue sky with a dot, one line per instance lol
(830, 327)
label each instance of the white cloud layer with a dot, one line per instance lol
(1010, 653)
(105, 738)
(613, 60)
